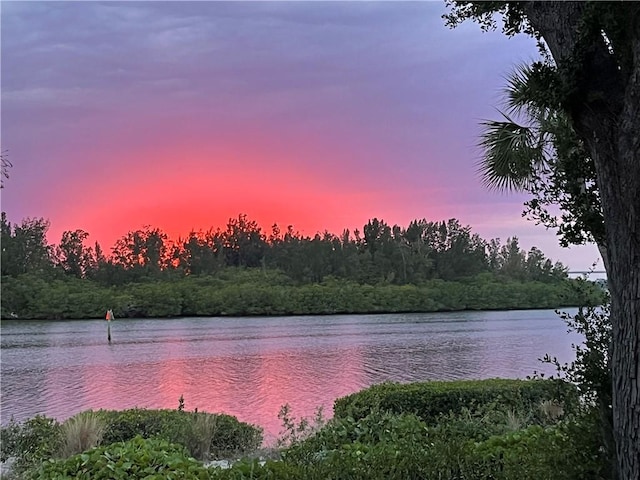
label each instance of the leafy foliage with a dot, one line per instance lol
(591, 373)
(557, 452)
(384, 445)
(137, 458)
(464, 446)
(464, 443)
(591, 370)
(254, 469)
(30, 443)
(294, 430)
(198, 434)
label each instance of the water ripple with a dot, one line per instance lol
(250, 367)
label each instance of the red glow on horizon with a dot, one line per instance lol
(195, 195)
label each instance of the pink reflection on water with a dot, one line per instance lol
(171, 380)
(250, 368)
(252, 388)
(300, 383)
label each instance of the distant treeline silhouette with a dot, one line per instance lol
(427, 266)
(380, 253)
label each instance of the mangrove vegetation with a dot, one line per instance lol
(241, 270)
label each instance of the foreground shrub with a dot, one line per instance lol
(430, 400)
(567, 451)
(30, 442)
(591, 373)
(123, 425)
(255, 470)
(224, 434)
(377, 427)
(296, 430)
(389, 446)
(204, 435)
(381, 445)
(470, 445)
(135, 459)
(233, 438)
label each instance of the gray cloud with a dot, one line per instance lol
(386, 83)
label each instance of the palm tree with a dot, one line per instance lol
(542, 155)
(514, 153)
(535, 149)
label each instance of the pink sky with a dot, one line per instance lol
(321, 115)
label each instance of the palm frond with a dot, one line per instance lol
(517, 92)
(511, 155)
(525, 93)
(4, 167)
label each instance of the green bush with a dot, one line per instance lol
(123, 425)
(377, 427)
(296, 430)
(30, 442)
(562, 452)
(591, 373)
(137, 458)
(381, 461)
(230, 437)
(9, 440)
(425, 430)
(202, 434)
(430, 400)
(389, 446)
(381, 445)
(234, 437)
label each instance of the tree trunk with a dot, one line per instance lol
(605, 109)
(621, 204)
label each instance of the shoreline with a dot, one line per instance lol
(288, 315)
(210, 297)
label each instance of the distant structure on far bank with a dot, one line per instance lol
(589, 274)
(599, 277)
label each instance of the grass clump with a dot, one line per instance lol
(81, 432)
(201, 434)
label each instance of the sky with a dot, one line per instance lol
(320, 115)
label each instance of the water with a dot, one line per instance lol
(250, 367)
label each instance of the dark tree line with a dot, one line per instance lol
(381, 253)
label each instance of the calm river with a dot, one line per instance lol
(249, 367)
